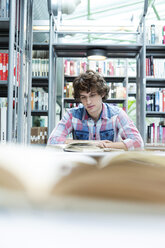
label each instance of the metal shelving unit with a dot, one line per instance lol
(155, 114)
(80, 50)
(155, 82)
(14, 37)
(143, 82)
(39, 81)
(137, 51)
(112, 51)
(39, 113)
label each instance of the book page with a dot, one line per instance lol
(32, 172)
(134, 176)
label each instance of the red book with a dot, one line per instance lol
(163, 100)
(111, 69)
(72, 68)
(4, 75)
(146, 66)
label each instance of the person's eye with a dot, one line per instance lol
(82, 97)
(93, 95)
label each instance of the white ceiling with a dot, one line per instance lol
(109, 12)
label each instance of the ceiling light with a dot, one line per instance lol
(96, 54)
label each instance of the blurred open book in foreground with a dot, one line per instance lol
(30, 175)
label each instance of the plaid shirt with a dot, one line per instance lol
(113, 124)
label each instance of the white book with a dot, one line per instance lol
(3, 8)
(47, 67)
(42, 67)
(7, 8)
(160, 101)
(39, 67)
(3, 124)
(92, 65)
(33, 67)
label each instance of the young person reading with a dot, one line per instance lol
(107, 125)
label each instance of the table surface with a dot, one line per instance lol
(110, 224)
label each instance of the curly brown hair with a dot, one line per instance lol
(88, 81)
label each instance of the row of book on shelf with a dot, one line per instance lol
(114, 67)
(39, 99)
(155, 67)
(155, 34)
(4, 8)
(156, 133)
(156, 101)
(40, 67)
(4, 61)
(39, 135)
(117, 90)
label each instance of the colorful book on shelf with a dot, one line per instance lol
(3, 65)
(39, 135)
(163, 41)
(163, 100)
(47, 177)
(152, 34)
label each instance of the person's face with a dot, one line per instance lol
(92, 102)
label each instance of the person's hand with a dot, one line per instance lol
(104, 144)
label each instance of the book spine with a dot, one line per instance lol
(3, 8)
(160, 133)
(148, 134)
(163, 100)
(3, 124)
(151, 66)
(163, 40)
(163, 136)
(4, 75)
(7, 8)
(157, 95)
(148, 105)
(158, 140)
(152, 34)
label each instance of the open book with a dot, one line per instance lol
(86, 146)
(41, 176)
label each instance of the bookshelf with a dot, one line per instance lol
(39, 93)
(112, 51)
(138, 51)
(156, 54)
(77, 51)
(4, 47)
(15, 40)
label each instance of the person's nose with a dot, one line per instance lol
(88, 100)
